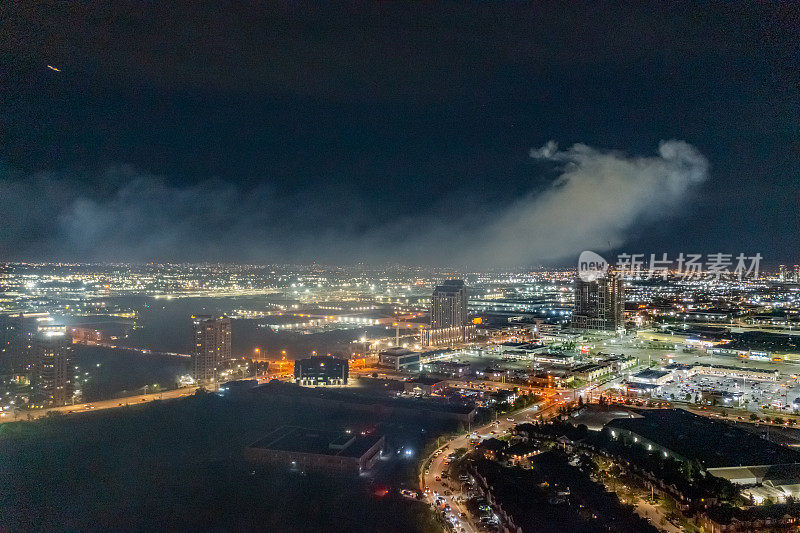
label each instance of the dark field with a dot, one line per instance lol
(178, 465)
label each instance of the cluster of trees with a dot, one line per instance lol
(774, 420)
(521, 402)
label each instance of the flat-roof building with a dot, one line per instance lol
(399, 358)
(449, 368)
(591, 372)
(651, 377)
(311, 449)
(425, 385)
(760, 374)
(555, 358)
(686, 436)
(321, 371)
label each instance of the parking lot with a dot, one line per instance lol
(733, 392)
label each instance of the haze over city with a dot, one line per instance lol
(399, 267)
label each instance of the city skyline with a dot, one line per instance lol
(399, 267)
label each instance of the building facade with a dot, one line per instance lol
(212, 346)
(399, 358)
(54, 385)
(321, 371)
(449, 316)
(17, 335)
(599, 304)
(10, 341)
(425, 385)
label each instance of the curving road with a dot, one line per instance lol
(432, 487)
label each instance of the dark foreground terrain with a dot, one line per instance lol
(178, 465)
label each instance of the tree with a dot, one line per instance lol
(753, 417)
(777, 420)
(580, 401)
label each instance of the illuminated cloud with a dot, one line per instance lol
(597, 199)
(594, 203)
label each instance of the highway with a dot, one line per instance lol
(113, 403)
(96, 406)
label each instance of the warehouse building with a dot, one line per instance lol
(310, 449)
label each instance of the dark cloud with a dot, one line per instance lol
(252, 131)
(597, 196)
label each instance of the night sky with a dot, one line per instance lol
(413, 133)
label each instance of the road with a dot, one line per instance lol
(113, 403)
(655, 514)
(96, 406)
(437, 467)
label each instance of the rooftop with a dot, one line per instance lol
(650, 374)
(713, 443)
(301, 440)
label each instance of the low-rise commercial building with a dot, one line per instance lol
(551, 378)
(686, 436)
(321, 371)
(651, 377)
(591, 372)
(399, 358)
(622, 362)
(554, 358)
(310, 449)
(451, 369)
(736, 372)
(425, 385)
